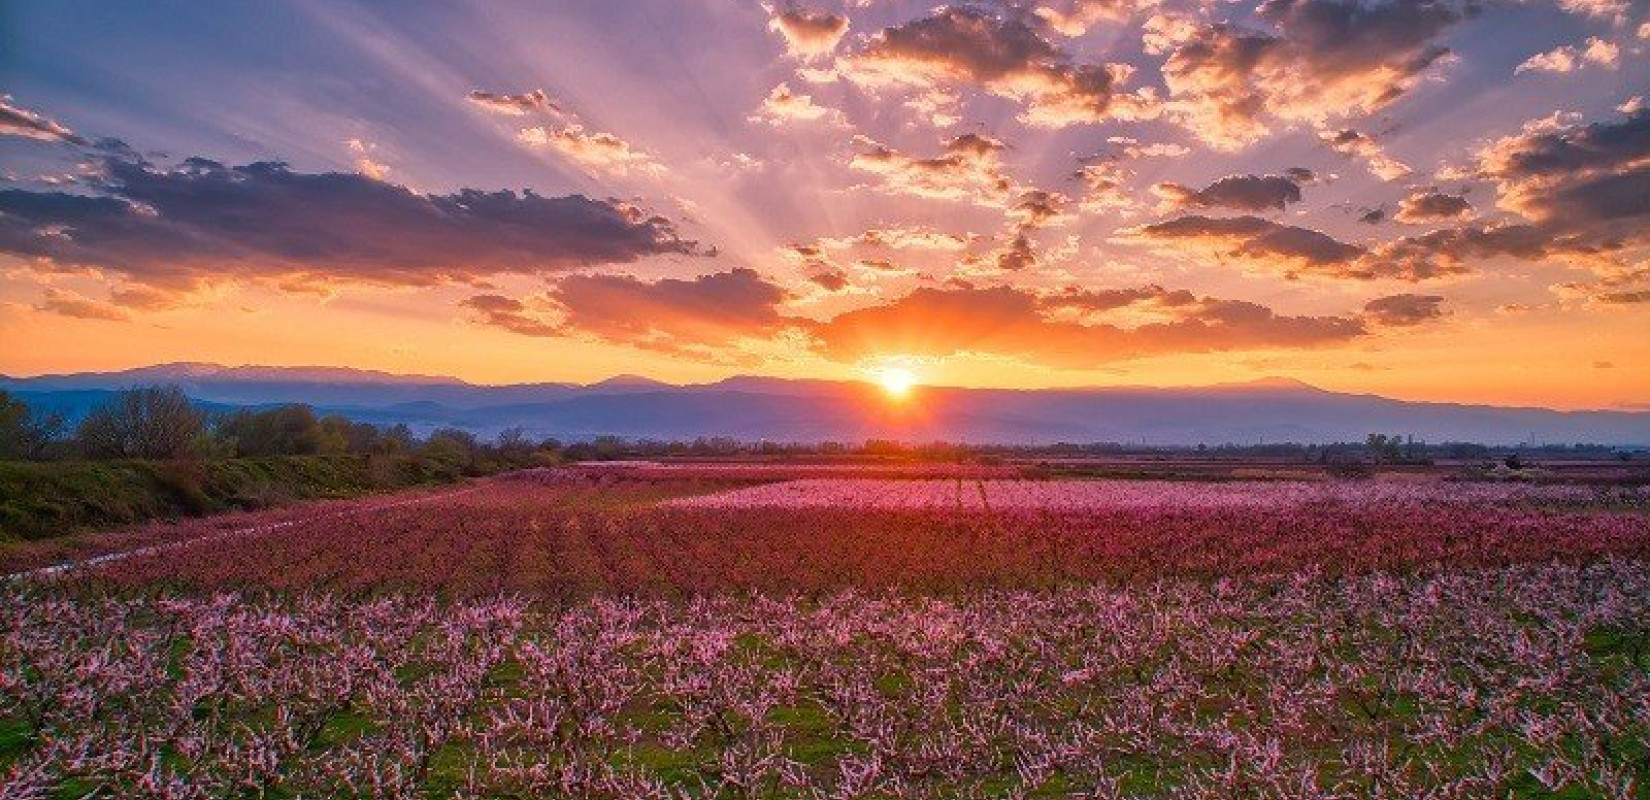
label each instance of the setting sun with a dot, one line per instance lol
(896, 382)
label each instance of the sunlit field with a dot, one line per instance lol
(759, 631)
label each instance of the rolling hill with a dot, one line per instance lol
(750, 408)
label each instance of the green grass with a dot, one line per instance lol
(43, 500)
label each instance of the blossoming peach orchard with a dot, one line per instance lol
(728, 633)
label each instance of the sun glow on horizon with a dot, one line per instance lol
(896, 382)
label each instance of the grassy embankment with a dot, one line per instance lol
(52, 499)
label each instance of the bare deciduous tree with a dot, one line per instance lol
(143, 422)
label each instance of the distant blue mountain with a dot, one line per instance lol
(752, 408)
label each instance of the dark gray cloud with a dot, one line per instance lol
(1288, 249)
(1432, 206)
(514, 105)
(1322, 58)
(1592, 179)
(1583, 192)
(1404, 310)
(1002, 53)
(177, 226)
(1254, 193)
(1448, 251)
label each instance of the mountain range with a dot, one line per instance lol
(752, 408)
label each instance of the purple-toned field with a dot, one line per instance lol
(649, 632)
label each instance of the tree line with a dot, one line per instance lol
(161, 423)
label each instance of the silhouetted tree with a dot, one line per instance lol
(144, 422)
(24, 434)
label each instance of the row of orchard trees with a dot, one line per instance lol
(160, 422)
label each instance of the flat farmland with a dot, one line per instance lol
(564, 536)
(763, 632)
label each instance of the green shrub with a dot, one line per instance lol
(40, 500)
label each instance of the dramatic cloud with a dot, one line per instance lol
(1583, 192)
(1288, 249)
(1573, 176)
(969, 169)
(1242, 192)
(1450, 251)
(1003, 55)
(1432, 206)
(808, 34)
(202, 220)
(1352, 143)
(1404, 310)
(783, 105)
(1326, 59)
(17, 121)
(514, 105)
(593, 150)
(1017, 323)
(1569, 59)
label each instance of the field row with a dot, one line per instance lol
(1065, 496)
(563, 538)
(1522, 681)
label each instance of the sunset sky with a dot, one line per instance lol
(1423, 199)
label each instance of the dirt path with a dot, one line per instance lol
(59, 570)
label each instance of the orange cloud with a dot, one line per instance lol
(1017, 323)
(72, 304)
(702, 317)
